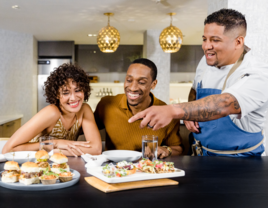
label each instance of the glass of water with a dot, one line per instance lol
(149, 147)
(46, 143)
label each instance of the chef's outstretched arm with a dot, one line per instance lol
(209, 108)
(192, 126)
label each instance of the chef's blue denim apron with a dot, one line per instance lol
(222, 134)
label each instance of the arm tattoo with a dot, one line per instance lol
(236, 104)
(209, 108)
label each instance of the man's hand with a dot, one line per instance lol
(156, 116)
(192, 126)
(162, 152)
(71, 146)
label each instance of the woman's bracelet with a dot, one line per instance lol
(169, 149)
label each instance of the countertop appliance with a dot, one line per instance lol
(45, 66)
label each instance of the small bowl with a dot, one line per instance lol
(120, 155)
(48, 182)
(66, 178)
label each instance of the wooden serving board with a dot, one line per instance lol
(108, 188)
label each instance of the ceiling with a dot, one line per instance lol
(75, 19)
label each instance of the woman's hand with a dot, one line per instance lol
(71, 146)
(162, 152)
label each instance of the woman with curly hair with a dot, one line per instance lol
(65, 89)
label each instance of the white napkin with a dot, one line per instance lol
(2, 158)
(93, 161)
(51, 153)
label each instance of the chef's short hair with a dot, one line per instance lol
(148, 63)
(228, 18)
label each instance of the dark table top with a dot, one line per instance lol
(209, 182)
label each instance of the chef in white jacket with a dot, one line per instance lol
(229, 95)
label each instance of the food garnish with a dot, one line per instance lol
(62, 170)
(121, 172)
(41, 160)
(147, 166)
(109, 170)
(48, 175)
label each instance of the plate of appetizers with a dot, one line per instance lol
(143, 170)
(120, 155)
(39, 175)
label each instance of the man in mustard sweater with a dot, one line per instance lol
(113, 113)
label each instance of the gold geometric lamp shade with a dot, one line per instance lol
(108, 38)
(171, 38)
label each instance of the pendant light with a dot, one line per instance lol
(108, 38)
(170, 38)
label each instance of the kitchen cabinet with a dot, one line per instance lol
(9, 125)
(56, 49)
(92, 60)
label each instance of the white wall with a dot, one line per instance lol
(154, 52)
(18, 74)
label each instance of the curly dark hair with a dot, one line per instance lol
(59, 78)
(228, 18)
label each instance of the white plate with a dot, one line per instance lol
(120, 155)
(40, 186)
(138, 176)
(21, 157)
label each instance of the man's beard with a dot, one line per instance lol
(216, 63)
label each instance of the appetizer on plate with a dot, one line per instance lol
(164, 167)
(127, 166)
(49, 177)
(121, 172)
(60, 163)
(41, 159)
(109, 170)
(66, 176)
(121, 169)
(147, 166)
(11, 173)
(29, 173)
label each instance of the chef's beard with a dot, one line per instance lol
(216, 63)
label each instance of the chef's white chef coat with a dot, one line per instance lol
(248, 84)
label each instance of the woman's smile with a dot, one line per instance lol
(74, 104)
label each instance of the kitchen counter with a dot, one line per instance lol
(6, 119)
(208, 182)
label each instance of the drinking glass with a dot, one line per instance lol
(149, 147)
(46, 143)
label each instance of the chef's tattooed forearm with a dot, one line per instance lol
(209, 108)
